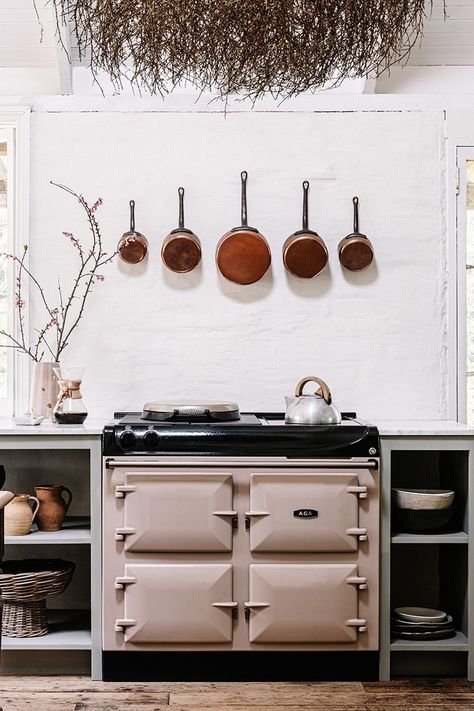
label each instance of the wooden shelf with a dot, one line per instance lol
(456, 537)
(69, 629)
(459, 643)
(75, 530)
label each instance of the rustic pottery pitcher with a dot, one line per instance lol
(19, 516)
(52, 507)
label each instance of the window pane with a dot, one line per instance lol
(3, 264)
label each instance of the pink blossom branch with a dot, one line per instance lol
(61, 318)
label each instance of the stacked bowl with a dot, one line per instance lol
(422, 510)
(422, 624)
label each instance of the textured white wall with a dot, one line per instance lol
(378, 338)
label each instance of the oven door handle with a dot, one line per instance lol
(123, 489)
(357, 580)
(123, 580)
(225, 513)
(120, 533)
(361, 491)
(360, 532)
(121, 624)
(361, 624)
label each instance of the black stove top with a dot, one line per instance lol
(254, 434)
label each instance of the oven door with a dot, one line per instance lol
(173, 511)
(298, 512)
(167, 603)
(315, 603)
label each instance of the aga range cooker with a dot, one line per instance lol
(236, 532)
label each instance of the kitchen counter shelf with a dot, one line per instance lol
(459, 643)
(76, 531)
(433, 538)
(70, 630)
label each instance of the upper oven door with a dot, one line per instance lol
(175, 511)
(299, 512)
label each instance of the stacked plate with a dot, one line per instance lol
(423, 510)
(421, 623)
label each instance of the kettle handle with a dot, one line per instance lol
(323, 389)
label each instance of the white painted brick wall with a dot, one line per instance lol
(378, 338)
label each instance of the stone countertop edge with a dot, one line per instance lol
(46, 429)
(387, 428)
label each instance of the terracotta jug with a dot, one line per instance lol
(19, 516)
(52, 507)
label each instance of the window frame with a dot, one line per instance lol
(16, 121)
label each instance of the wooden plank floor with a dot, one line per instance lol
(81, 694)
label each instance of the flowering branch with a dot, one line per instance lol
(61, 320)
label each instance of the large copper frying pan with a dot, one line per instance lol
(243, 254)
(304, 253)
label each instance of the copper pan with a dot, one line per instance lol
(356, 251)
(181, 250)
(133, 246)
(304, 253)
(243, 254)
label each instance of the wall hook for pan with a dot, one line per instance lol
(181, 250)
(356, 252)
(304, 253)
(132, 246)
(243, 254)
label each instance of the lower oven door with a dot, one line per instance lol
(164, 603)
(305, 512)
(315, 603)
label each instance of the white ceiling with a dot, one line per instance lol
(450, 41)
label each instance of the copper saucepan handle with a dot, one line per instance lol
(323, 389)
(355, 202)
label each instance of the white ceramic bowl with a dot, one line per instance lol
(423, 498)
(420, 614)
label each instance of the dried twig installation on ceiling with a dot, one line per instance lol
(247, 47)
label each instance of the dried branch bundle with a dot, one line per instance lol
(246, 47)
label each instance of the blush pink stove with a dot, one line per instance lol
(237, 533)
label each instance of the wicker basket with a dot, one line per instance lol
(24, 587)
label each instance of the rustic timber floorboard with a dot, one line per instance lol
(74, 693)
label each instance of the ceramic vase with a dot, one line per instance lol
(44, 390)
(19, 516)
(52, 507)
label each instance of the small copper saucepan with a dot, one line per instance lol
(181, 250)
(304, 253)
(356, 251)
(133, 246)
(243, 254)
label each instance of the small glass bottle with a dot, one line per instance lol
(70, 408)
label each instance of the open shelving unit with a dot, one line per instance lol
(423, 569)
(76, 530)
(74, 617)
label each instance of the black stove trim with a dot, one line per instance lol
(352, 439)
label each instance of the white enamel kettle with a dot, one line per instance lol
(314, 409)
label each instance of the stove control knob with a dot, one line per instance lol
(150, 439)
(128, 439)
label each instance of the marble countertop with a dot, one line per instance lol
(387, 428)
(423, 428)
(89, 428)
